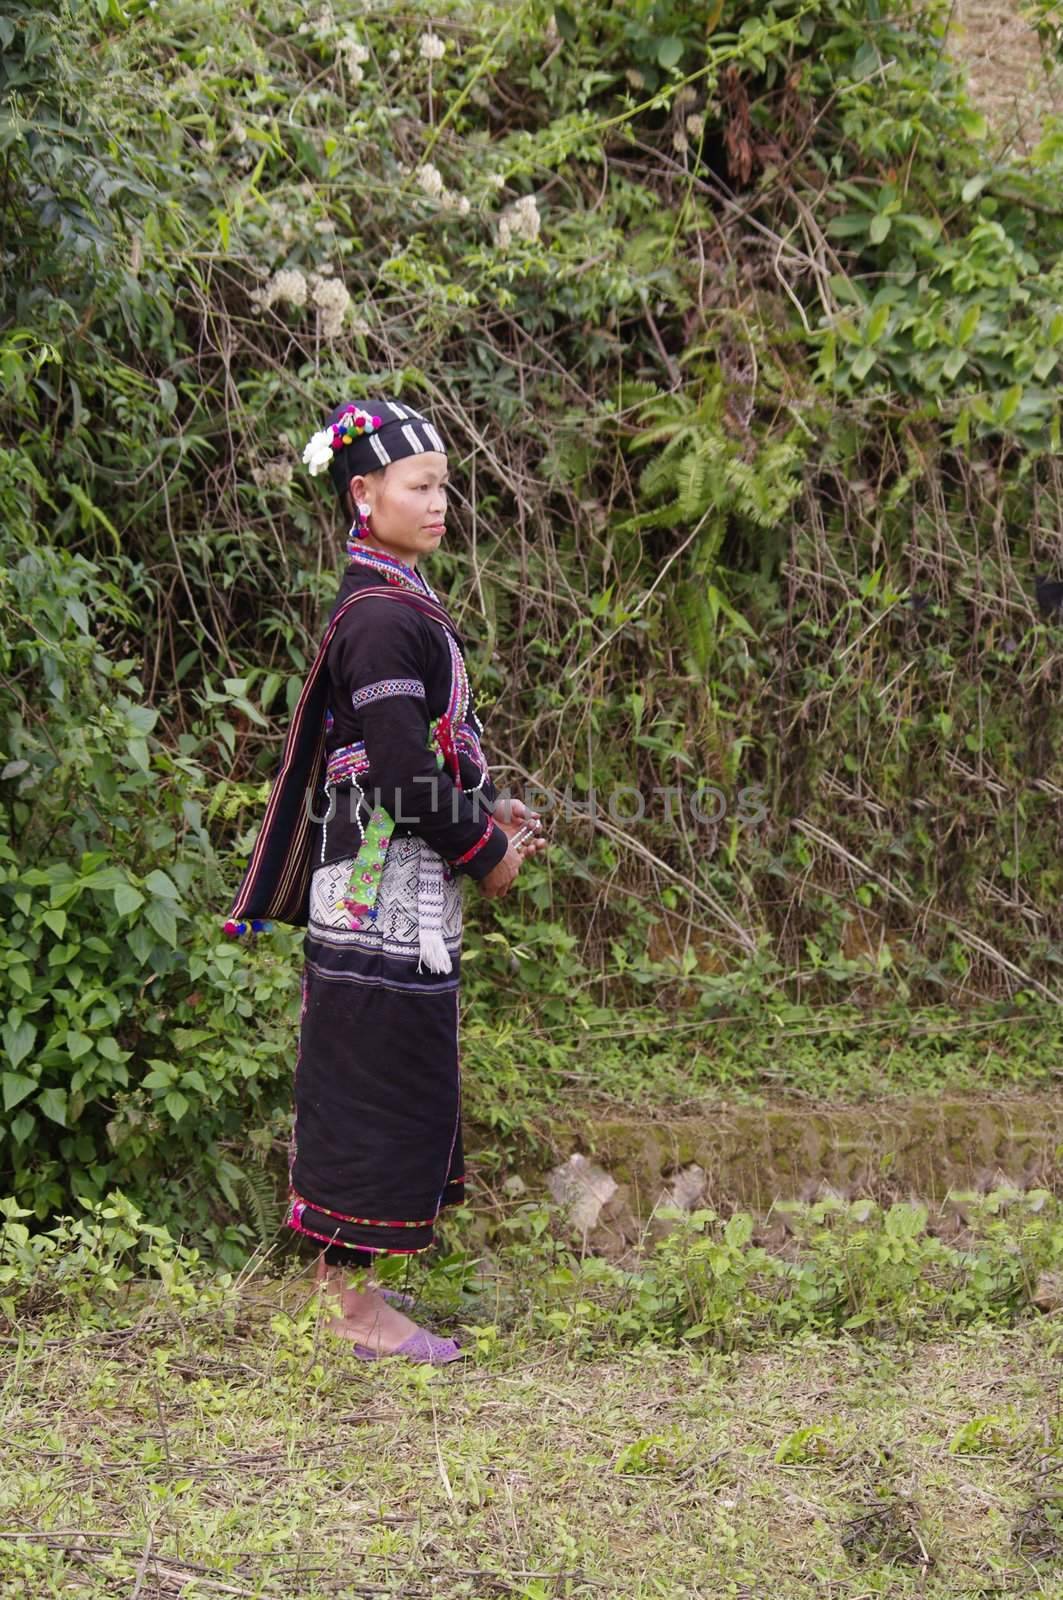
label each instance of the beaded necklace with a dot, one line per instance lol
(390, 568)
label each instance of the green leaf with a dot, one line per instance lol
(127, 899)
(139, 941)
(879, 229)
(848, 225)
(158, 883)
(22, 1126)
(16, 1087)
(53, 1103)
(18, 1040)
(163, 921)
(566, 23)
(739, 1230)
(968, 323)
(877, 323)
(138, 753)
(973, 187)
(1008, 403)
(176, 1104)
(974, 124)
(56, 920)
(670, 52)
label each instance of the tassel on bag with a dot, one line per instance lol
(430, 877)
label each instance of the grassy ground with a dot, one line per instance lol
(522, 1069)
(242, 1451)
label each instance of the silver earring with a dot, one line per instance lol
(363, 509)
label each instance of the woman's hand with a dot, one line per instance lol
(511, 816)
(517, 812)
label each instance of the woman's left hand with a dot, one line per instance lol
(514, 812)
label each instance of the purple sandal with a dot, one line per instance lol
(397, 1298)
(420, 1346)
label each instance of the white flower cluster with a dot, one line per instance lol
(332, 299)
(519, 221)
(431, 180)
(272, 474)
(432, 47)
(323, 26)
(695, 125)
(354, 54)
(327, 294)
(288, 285)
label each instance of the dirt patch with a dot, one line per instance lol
(1007, 74)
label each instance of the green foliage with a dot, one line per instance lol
(853, 1267)
(126, 1060)
(98, 1268)
(744, 334)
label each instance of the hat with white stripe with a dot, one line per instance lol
(366, 437)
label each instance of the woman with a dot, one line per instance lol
(385, 742)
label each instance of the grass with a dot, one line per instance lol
(236, 1448)
(655, 1060)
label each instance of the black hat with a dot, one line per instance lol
(362, 438)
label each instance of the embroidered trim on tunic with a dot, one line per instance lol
(349, 760)
(477, 847)
(299, 1205)
(384, 688)
(331, 1238)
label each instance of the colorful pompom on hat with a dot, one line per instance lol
(363, 438)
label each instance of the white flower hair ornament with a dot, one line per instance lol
(350, 425)
(318, 452)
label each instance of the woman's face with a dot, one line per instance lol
(407, 505)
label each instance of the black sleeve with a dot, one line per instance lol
(379, 664)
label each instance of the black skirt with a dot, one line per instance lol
(376, 1149)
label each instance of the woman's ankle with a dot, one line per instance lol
(335, 1279)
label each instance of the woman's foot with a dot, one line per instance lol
(367, 1319)
(377, 1328)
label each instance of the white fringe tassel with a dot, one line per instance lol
(433, 952)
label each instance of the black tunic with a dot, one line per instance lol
(378, 643)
